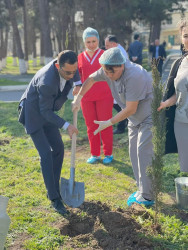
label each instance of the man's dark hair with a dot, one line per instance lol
(67, 56)
(112, 38)
(136, 36)
(111, 67)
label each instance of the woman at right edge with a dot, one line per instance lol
(178, 85)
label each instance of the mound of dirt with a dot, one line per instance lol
(96, 226)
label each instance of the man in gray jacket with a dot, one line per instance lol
(45, 94)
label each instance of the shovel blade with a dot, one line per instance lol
(76, 198)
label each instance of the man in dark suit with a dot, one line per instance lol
(45, 94)
(135, 50)
(159, 54)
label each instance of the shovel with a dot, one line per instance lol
(72, 192)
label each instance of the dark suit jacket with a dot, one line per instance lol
(42, 97)
(162, 52)
(135, 49)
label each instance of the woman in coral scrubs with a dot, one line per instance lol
(97, 104)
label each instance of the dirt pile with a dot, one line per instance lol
(95, 226)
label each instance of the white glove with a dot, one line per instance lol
(102, 125)
(76, 102)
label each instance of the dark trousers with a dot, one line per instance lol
(122, 124)
(159, 63)
(50, 147)
(160, 67)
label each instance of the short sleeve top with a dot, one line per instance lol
(88, 65)
(135, 84)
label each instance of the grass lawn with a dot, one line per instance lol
(7, 82)
(34, 225)
(14, 70)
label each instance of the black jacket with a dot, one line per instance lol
(162, 52)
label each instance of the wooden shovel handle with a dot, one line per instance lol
(73, 146)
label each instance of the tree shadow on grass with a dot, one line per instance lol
(123, 168)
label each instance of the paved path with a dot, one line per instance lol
(21, 78)
(10, 96)
(13, 93)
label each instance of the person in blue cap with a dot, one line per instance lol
(98, 101)
(131, 86)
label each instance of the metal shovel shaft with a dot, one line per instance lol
(73, 153)
(73, 193)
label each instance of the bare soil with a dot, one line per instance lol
(95, 225)
(103, 228)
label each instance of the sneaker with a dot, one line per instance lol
(140, 200)
(108, 159)
(93, 159)
(58, 206)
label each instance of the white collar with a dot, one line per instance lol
(62, 83)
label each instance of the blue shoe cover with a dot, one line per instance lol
(131, 200)
(146, 203)
(93, 159)
(140, 200)
(108, 159)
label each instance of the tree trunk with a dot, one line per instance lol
(59, 40)
(45, 29)
(20, 54)
(34, 48)
(41, 49)
(65, 30)
(25, 33)
(1, 48)
(4, 46)
(54, 43)
(155, 30)
(32, 26)
(72, 43)
(14, 54)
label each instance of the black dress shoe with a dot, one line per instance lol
(117, 131)
(57, 204)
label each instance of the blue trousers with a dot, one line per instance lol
(50, 147)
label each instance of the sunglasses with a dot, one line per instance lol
(68, 73)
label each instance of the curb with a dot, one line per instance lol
(13, 88)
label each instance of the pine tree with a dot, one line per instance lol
(158, 131)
